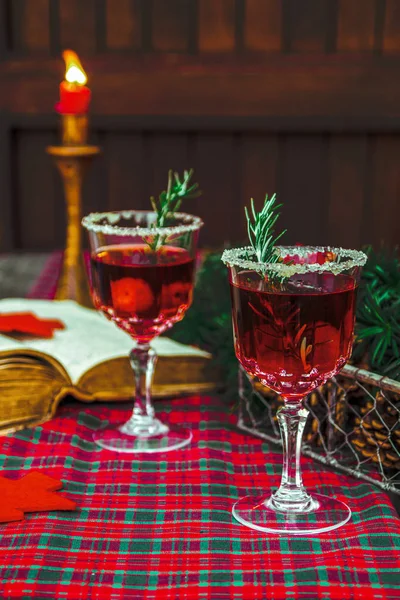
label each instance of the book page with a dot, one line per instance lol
(88, 339)
(8, 343)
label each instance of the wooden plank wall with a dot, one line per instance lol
(298, 97)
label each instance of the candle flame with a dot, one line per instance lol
(74, 72)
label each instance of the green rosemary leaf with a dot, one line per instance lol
(153, 203)
(261, 229)
(170, 200)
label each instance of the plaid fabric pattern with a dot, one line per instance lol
(45, 286)
(161, 528)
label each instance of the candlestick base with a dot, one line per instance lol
(72, 162)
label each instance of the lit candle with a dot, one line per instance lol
(74, 94)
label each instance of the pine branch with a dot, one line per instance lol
(378, 314)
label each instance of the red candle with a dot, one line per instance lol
(74, 94)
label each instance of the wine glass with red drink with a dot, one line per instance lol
(142, 278)
(293, 324)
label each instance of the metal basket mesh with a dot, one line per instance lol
(354, 423)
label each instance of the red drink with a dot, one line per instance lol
(142, 291)
(295, 340)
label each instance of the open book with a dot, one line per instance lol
(88, 359)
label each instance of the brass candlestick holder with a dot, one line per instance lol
(72, 159)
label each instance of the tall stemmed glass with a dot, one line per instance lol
(293, 324)
(142, 280)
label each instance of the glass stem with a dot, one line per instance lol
(143, 361)
(291, 495)
(143, 422)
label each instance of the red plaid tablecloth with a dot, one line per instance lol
(161, 527)
(46, 285)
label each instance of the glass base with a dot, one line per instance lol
(143, 435)
(326, 514)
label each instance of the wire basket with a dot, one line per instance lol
(354, 423)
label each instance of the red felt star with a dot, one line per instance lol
(33, 492)
(30, 324)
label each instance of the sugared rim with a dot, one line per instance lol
(344, 260)
(92, 223)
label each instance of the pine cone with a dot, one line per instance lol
(378, 431)
(312, 426)
(318, 429)
(328, 398)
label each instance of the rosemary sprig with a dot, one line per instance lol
(170, 200)
(261, 230)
